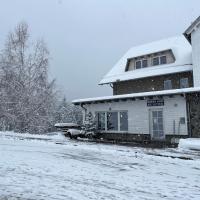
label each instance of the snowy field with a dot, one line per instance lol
(53, 167)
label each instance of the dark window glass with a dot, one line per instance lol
(124, 121)
(163, 60)
(184, 83)
(112, 121)
(101, 121)
(155, 61)
(138, 64)
(167, 84)
(144, 63)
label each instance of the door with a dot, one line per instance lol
(156, 124)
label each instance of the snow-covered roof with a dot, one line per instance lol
(138, 95)
(183, 60)
(60, 125)
(191, 28)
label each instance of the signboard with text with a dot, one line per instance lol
(155, 102)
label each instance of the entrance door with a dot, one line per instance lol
(156, 124)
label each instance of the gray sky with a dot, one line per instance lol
(87, 37)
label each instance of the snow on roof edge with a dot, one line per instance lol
(65, 125)
(152, 71)
(192, 26)
(142, 94)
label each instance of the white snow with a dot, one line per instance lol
(139, 94)
(147, 72)
(190, 143)
(180, 47)
(66, 125)
(50, 136)
(37, 169)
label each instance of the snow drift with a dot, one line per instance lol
(190, 143)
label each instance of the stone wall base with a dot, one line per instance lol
(144, 139)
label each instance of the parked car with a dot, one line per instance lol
(74, 130)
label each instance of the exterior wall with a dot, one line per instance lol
(150, 84)
(138, 114)
(131, 62)
(195, 39)
(194, 113)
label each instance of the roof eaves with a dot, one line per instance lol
(136, 95)
(120, 77)
(191, 28)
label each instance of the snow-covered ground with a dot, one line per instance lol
(190, 144)
(53, 167)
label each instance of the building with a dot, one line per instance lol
(156, 92)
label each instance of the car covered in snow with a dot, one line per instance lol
(66, 126)
(74, 130)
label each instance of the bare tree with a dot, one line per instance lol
(27, 96)
(67, 112)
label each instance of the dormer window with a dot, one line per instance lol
(141, 64)
(144, 63)
(149, 60)
(163, 60)
(159, 60)
(138, 64)
(155, 61)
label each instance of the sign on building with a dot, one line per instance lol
(155, 102)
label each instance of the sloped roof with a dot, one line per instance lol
(183, 60)
(191, 28)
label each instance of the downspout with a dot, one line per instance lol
(188, 117)
(179, 127)
(174, 128)
(85, 111)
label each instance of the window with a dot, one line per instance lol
(144, 63)
(141, 64)
(184, 83)
(138, 64)
(167, 85)
(159, 60)
(163, 60)
(155, 61)
(112, 121)
(101, 120)
(123, 121)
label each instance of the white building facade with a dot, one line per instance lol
(156, 90)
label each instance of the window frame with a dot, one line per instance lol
(153, 59)
(118, 119)
(159, 60)
(108, 121)
(141, 63)
(168, 80)
(119, 113)
(145, 59)
(182, 79)
(136, 64)
(97, 120)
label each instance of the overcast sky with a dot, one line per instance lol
(87, 37)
